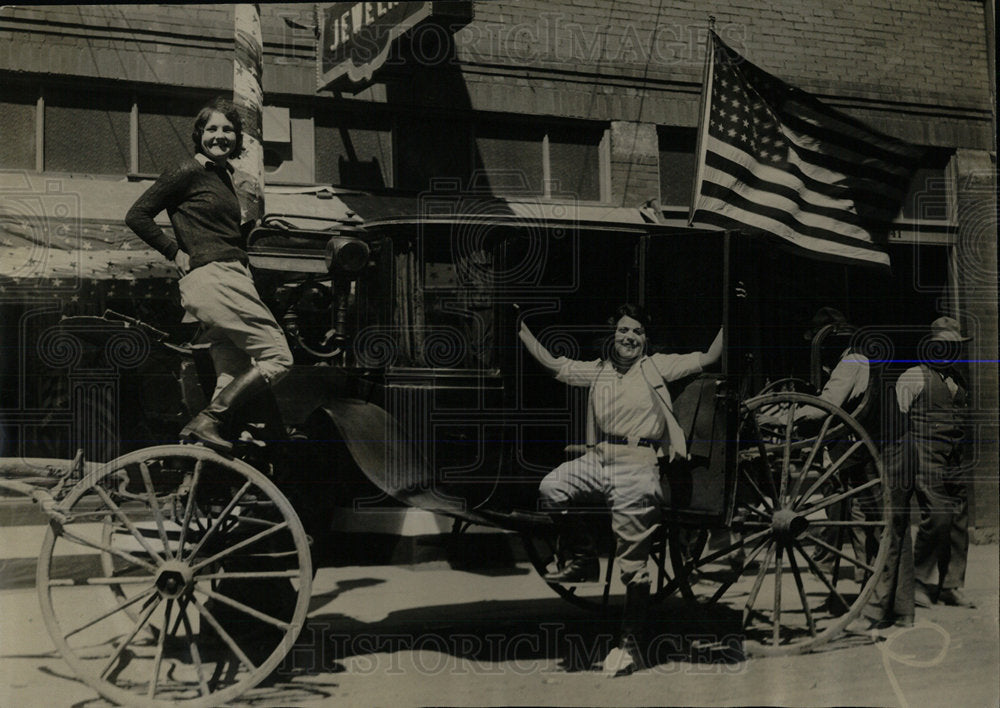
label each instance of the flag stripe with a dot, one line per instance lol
(722, 213)
(766, 205)
(830, 120)
(729, 166)
(775, 159)
(872, 197)
(822, 178)
(846, 162)
(869, 207)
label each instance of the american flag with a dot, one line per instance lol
(773, 158)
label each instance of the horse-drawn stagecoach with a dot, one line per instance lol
(410, 387)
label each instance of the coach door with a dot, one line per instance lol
(689, 286)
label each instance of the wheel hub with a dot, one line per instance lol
(786, 524)
(173, 579)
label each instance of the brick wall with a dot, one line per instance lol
(885, 61)
(921, 51)
(180, 45)
(868, 58)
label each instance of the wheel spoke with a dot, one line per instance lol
(757, 584)
(253, 521)
(221, 519)
(830, 501)
(797, 574)
(116, 610)
(193, 648)
(69, 535)
(159, 648)
(762, 448)
(749, 558)
(136, 533)
(833, 522)
(189, 506)
(818, 572)
(715, 555)
(755, 510)
(157, 516)
(250, 575)
(139, 624)
(124, 580)
(242, 544)
(246, 609)
(778, 570)
(830, 471)
(223, 634)
(811, 457)
(760, 493)
(786, 456)
(839, 553)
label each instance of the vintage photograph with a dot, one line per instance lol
(564, 353)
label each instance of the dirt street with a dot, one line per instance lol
(428, 635)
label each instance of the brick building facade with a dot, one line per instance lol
(583, 99)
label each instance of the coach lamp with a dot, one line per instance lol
(346, 256)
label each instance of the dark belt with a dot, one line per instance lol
(621, 440)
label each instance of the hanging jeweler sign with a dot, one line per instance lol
(356, 37)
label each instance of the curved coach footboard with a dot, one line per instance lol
(382, 450)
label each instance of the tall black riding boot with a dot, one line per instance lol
(205, 427)
(627, 656)
(577, 552)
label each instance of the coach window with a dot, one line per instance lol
(442, 305)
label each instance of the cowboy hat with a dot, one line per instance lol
(824, 316)
(946, 329)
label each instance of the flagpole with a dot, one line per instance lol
(705, 108)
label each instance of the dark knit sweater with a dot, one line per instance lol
(203, 209)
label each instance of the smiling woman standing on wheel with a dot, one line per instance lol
(248, 347)
(630, 425)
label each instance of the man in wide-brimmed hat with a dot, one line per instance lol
(935, 397)
(927, 460)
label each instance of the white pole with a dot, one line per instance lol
(248, 95)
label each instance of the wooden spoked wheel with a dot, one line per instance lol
(542, 545)
(810, 528)
(204, 585)
(790, 384)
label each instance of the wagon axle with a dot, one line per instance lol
(173, 579)
(787, 525)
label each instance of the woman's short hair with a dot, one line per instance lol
(226, 108)
(634, 311)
